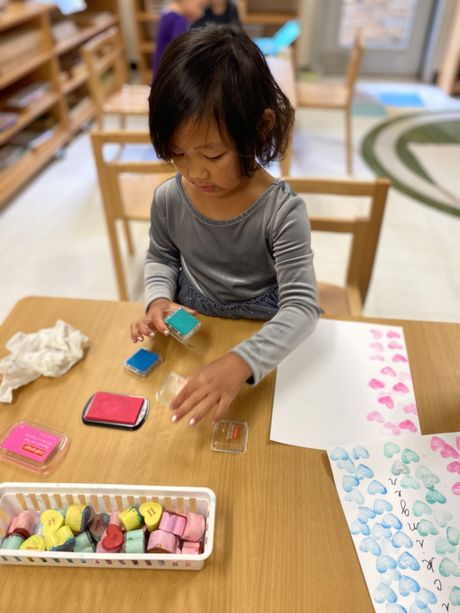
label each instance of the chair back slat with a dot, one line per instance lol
(354, 64)
(103, 55)
(365, 231)
(127, 187)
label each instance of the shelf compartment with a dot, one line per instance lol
(85, 33)
(11, 76)
(28, 115)
(74, 82)
(147, 46)
(14, 177)
(81, 114)
(148, 17)
(268, 19)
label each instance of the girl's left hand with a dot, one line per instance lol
(217, 384)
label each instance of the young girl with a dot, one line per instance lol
(226, 238)
(219, 12)
(175, 20)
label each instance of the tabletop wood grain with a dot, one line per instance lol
(281, 540)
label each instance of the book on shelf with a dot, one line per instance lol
(26, 95)
(9, 155)
(31, 139)
(8, 120)
(65, 29)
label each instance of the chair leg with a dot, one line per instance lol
(128, 237)
(122, 121)
(348, 141)
(115, 247)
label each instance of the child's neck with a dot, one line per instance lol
(233, 204)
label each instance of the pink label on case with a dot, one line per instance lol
(31, 443)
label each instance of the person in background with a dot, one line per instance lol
(176, 18)
(226, 238)
(219, 12)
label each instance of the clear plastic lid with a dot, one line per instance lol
(33, 446)
(170, 387)
(230, 436)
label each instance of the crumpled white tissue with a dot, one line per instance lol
(50, 352)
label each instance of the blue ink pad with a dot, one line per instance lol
(182, 324)
(142, 362)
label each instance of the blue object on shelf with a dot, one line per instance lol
(284, 37)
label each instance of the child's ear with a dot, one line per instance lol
(267, 123)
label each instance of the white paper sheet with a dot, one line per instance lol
(401, 499)
(346, 381)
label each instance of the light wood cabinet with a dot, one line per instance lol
(259, 18)
(449, 75)
(44, 98)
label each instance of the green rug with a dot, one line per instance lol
(420, 153)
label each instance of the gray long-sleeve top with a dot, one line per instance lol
(236, 260)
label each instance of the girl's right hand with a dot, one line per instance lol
(153, 320)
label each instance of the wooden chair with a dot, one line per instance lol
(107, 76)
(127, 190)
(365, 232)
(335, 96)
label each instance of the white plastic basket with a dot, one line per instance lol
(18, 497)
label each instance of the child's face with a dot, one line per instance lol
(193, 9)
(206, 159)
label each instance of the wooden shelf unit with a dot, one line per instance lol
(45, 61)
(259, 17)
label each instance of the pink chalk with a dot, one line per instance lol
(195, 527)
(162, 542)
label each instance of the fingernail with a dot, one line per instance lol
(192, 422)
(151, 334)
(174, 418)
(166, 332)
(139, 338)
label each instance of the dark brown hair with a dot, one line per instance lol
(218, 72)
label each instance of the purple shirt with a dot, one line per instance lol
(170, 26)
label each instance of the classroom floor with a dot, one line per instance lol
(54, 241)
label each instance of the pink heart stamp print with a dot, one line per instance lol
(376, 384)
(454, 467)
(393, 427)
(380, 358)
(457, 442)
(394, 345)
(393, 334)
(408, 425)
(387, 401)
(388, 371)
(398, 357)
(436, 443)
(375, 416)
(376, 333)
(410, 408)
(456, 488)
(400, 387)
(449, 452)
(377, 346)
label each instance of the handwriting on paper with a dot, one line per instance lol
(403, 510)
